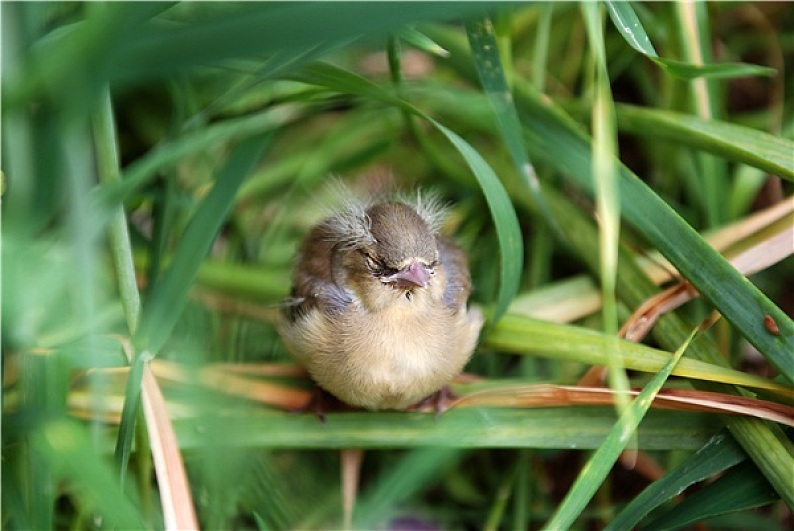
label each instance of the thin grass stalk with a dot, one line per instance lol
(107, 161)
(604, 153)
(693, 18)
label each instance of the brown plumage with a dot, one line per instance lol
(379, 316)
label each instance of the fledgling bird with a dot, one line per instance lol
(379, 316)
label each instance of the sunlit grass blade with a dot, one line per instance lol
(604, 458)
(720, 453)
(731, 141)
(523, 335)
(607, 194)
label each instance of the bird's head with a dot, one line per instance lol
(392, 258)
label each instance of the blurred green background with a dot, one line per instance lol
(161, 162)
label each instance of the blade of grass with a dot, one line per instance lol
(107, 163)
(742, 487)
(523, 335)
(174, 489)
(737, 299)
(631, 29)
(720, 453)
(485, 52)
(604, 175)
(601, 462)
(571, 427)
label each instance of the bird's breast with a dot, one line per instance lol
(387, 359)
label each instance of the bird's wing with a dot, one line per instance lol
(312, 281)
(457, 269)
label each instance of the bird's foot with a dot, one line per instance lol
(440, 401)
(320, 403)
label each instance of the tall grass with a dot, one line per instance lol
(161, 162)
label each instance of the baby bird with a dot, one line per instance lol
(379, 316)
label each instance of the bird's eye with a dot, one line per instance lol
(372, 264)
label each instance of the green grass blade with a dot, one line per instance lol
(625, 20)
(601, 462)
(561, 427)
(164, 308)
(604, 177)
(741, 488)
(720, 453)
(511, 244)
(129, 415)
(630, 28)
(167, 154)
(522, 335)
(730, 141)
(685, 70)
(118, 233)
(267, 28)
(485, 52)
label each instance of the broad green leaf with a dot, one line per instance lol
(601, 462)
(742, 487)
(720, 453)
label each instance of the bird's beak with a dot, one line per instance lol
(415, 275)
